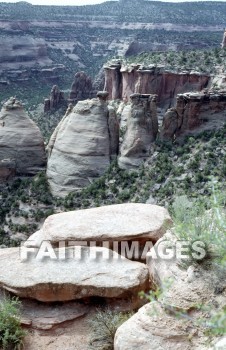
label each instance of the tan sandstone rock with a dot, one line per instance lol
(120, 222)
(21, 142)
(170, 323)
(85, 272)
(81, 147)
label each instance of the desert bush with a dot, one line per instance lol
(11, 332)
(103, 328)
(202, 221)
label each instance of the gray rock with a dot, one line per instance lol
(81, 147)
(141, 132)
(85, 272)
(121, 222)
(21, 142)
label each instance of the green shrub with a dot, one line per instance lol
(11, 332)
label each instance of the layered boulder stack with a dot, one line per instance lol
(21, 143)
(49, 271)
(82, 145)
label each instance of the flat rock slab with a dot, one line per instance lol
(80, 275)
(121, 222)
(46, 316)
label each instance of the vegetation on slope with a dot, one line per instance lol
(169, 172)
(198, 13)
(204, 61)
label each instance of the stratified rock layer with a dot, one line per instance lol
(122, 81)
(82, 146)
(141, 131)
(86, 272)
(21, 143)
(120, 222)
(194, 112)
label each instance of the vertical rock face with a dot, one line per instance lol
(169, 125)
(223, 44)
(82, 145)
(55, 99)
(113, 81)
(194, 113)
(122, 81)
(81, 88)
(142, 129)
(21, 143)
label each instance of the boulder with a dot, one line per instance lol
(70, 274)
(21, 142)
(81, 147)
(113, 223)
(141, 131)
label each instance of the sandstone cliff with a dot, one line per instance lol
(82, 145)
(194, 112)
(122, 81)
(21, 143)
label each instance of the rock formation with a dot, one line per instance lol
(160, 324)
(81, 88)
(223, 44)
(194, 112)
(113, 223)
(55, 100)
(113, 80)
(21, 143)
(141, 132)
(123, 81)
(82, 145)
(77, 276)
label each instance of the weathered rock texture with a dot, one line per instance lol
(194, 112)
(223, 45)
(141, 130)
(81, 88)
(86, 272)
(123, 81)
(120, 222)
(55, 100)
(21, 143)
(82, 146)
(46, 316)
(157, 325)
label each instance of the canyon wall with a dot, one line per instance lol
(193, 113)
(122, 81)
